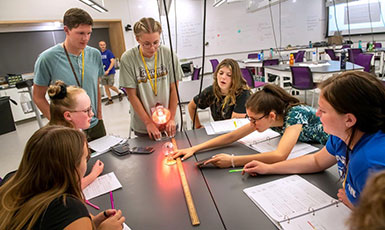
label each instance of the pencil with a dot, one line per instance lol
(92, 205)
(112, 200)
(235, 170)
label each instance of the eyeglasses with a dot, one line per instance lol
(88, 111)
(148, 45)
(252, 120)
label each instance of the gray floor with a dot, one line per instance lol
(116, 119)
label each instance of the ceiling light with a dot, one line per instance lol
(94, 5)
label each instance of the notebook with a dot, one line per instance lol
(103, 144)
(294, 203)
(268, 141)
(224, 126)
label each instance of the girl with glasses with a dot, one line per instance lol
(226, 97)
(70, 106)
(146, 73)
(272, 108)
(351, 107)
(45, 192)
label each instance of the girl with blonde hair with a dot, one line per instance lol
(146, 72)
(70, 106)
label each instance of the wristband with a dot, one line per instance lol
(232, 160)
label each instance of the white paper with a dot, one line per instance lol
(288, 197)
(125, 227)
(102, 185)
(333, 217)
(310, 65)
(103, 144)
(257, 137)
(299, 148)
(225, 126)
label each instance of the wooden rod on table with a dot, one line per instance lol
(190, 203)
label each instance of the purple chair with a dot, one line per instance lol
(377, 45)
(364, 60)
(269, 62)
(248, 77)
(214, 64)
(331, 54)
(302, 79)
(195, 75)
(299, 56)
(347, 46)
(252, 56)
(353, 53)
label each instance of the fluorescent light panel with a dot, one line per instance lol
(94, 5)
(218, 3)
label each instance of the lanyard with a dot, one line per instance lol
(346, 175)
(72, 67)
(154, 89)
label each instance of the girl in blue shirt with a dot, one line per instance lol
(352, 111)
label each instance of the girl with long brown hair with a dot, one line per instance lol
(226, 97)
(272, 108)
(45, 192)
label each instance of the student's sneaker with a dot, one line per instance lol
(109, 102)
(120, 95)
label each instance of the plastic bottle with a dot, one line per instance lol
(262, 55)
(359, 44)
(343, 60)
(310, 44)
(271, 53)
(291, 60)
(25, 103)
(314, 57)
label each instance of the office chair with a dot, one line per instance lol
(347, 46)
(269, 62)
(353, 53)
(364, 60)
(299, 56)
(252, 56)
(195, 75)
(214, 64)
(332, 54)
(302, 79)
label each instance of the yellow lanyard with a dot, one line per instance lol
(154, 89)
(82, 67)
(346, 175)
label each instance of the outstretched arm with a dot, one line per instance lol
(222, 140)
(286, 144)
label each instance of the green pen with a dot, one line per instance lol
(235, 170)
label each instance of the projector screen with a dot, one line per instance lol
(360, 20)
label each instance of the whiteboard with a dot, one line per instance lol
(231, 29)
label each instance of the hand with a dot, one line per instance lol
(255, 167)
(343, 198)
(171, 128)
(106, 72)
(153, 131)
(113, 222)
(98, 219)
(222, 160)
(186, 152)
(98, 167)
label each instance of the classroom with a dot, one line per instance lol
(266, 128)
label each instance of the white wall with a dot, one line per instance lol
(16, 10)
